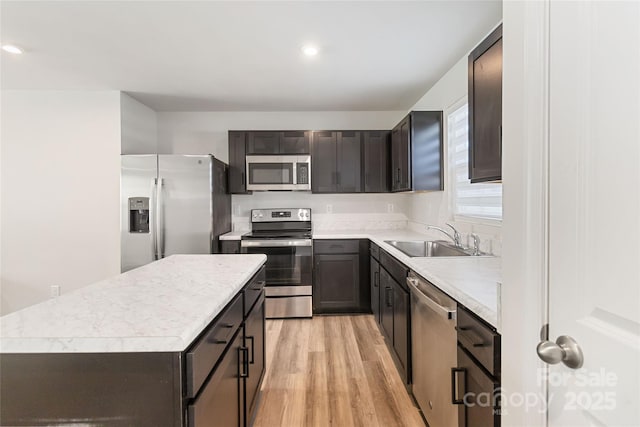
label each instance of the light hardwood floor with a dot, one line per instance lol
(332, 371)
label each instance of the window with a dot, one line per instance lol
(469, 200)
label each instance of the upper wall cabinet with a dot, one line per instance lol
(416, 152)
(485, 109)
(237, 153)
(335, 162)
(278, 142)
(375, 161)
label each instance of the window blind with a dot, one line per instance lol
(469, 200)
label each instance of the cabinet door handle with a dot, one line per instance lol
(376, 279)
(243, 362)
(454, 394)
(242, 178)
(251, 361)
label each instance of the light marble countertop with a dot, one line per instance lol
(472, 281)
(160, 307)
(233, 235)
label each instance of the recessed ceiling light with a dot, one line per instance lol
(310, 50)
(12, 49)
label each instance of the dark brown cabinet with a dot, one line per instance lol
(375, 288)
(417, 152)
(278, 142)
(485, 109)
(237, 162)
(254, 342)
(376, 161)
(263, 142)
(215, 381)
(477, 375)
(336, 159)
(395, 312)
(341, 276)
(230, 246)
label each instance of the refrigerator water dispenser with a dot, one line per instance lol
(138, 214)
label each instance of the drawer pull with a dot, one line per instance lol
(454, 394)
(225, 340)
(474, 340)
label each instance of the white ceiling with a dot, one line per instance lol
(243, 56)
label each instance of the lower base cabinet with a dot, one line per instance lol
(341, 276)
(476, 379)
(395, 312)
(219, 402)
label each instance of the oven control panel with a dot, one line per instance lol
(270, 215)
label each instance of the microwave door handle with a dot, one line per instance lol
(294, 178)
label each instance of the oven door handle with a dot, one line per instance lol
(274, 243)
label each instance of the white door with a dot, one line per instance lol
(594, 212)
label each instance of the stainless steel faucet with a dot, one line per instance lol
(455, 237)
(476, 244)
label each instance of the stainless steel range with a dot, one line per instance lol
(284, 236)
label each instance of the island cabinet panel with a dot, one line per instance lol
(219, 402)
(116, 389)
(254, 342)
(214, 382)
(206, 352)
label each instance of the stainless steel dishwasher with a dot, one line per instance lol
(433, 351)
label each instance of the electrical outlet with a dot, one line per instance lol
(55, 291)
(390, 207)
(329, 208)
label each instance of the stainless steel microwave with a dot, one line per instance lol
(278, 173)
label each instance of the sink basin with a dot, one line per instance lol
(421, 248)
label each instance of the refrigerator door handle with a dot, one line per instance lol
(160, 218)
(153, 219)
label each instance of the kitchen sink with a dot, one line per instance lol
(429, 248)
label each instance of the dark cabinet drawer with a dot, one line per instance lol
(204, 354)
(253, 290)
(480, 340)
(230, 246)
(219, 402)
(336, 246)
(396, 269)
(374, 250)
(476, 393)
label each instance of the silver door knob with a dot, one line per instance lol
(565, 350)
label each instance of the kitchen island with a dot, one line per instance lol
(142, 348)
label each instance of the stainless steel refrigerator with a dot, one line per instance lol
(171, 204)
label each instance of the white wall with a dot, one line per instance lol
(435, 207)
(60, 192)
(206, 132)
(139, 127)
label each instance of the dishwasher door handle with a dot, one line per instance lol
(424, 299)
